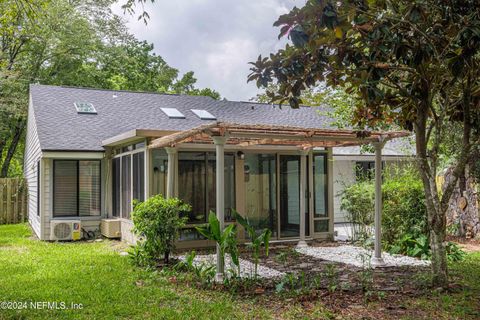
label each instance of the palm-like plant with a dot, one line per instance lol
(257, 240)
(226, 239)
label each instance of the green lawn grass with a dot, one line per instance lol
(108, 287)
(94, 275)
(460, 303)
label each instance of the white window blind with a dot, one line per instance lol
(76, 188)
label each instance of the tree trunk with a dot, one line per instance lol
(11, 149)
(435, 214)
(436, 221)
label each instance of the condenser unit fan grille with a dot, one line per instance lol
(62, 230)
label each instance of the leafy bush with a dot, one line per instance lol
(404, 211)
(454, 252)
(358, 200)
(157, 221)
(404, 219)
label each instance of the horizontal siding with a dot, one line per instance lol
(32, 156)
(343, 175)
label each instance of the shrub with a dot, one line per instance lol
(157, 221)
(404, 218)
(404, 211)
(358, 201)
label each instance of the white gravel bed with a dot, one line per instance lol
(247, 268)
(353, 255)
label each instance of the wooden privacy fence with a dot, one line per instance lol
(13, 200)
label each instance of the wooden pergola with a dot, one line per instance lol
(248, 135)
(243, 135)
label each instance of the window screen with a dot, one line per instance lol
(116, 187)
(139, 176)
(126, 187)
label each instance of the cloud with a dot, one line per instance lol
(214, 38)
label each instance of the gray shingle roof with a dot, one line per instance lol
(60, 127)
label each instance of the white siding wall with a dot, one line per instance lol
(343, 174)
(32, 156)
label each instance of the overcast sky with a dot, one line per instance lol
(214, 38)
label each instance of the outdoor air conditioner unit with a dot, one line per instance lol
(110, 228)
(65, 230)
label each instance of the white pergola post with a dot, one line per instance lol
(303, 187)
(171, 152)
(219, 142)
(377, 259)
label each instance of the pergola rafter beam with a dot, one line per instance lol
(251, 135)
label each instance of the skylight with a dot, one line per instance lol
(85, 107)
(173, 113)
(204, 114)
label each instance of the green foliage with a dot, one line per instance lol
(157, 221)
(410, 245)
(256, 240)
(404, 210)
(454, 252)
(141, 257)
(411, 64)
(202, 272)
(283, 256)
(74, 43)
(107, 285)
(404, 217)
(358, 200)
(331, 273)
(226, 239)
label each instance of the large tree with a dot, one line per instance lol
(76, 43)
(411, 63)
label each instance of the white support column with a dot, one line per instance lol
(303, 187)
(171, 152)
(220, 205)
(377, 259)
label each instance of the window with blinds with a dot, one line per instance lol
(76, 188)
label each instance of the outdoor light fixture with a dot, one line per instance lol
(241, 155)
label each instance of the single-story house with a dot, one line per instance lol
(91, 153)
